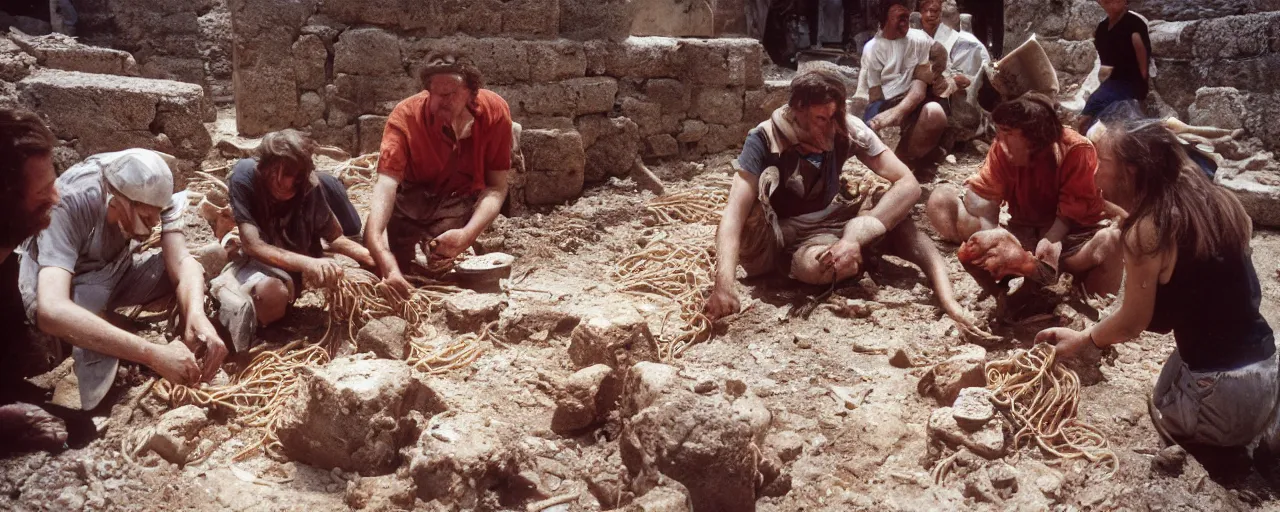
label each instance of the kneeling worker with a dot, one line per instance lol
(83, 265)
(280, 206)
(442, 173)
(785, 212)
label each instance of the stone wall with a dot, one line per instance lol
(184, 40)
(1196, 44)
(93, 105)
(590, 97)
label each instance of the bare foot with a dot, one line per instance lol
(26, 427)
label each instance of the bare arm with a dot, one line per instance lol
(875, 93)
(188, 273)
(58, 316)
(382, 202)
(489, 204)
(1058, 231)
(1141, 51)
(742, 196)
(894, 206)
(184, 270)
(1134, 315)
(274, 256)
(340, 244)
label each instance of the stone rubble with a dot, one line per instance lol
(356, 414)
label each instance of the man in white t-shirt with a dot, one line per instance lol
(898, 75)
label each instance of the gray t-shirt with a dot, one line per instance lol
(79, 239)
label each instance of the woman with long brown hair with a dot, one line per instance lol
(1189, 270)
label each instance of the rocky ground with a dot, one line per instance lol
(801, 413)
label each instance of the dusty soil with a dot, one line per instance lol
(874, 456)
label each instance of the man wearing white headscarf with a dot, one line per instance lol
(84, 265)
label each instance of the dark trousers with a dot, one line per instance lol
(988, 23)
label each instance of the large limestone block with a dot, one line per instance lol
(555, 162)
(568, 98)
(1222, 107)
(612, 145)
(369, 133)
(1236, 37)
(309, 56)
(710, 444)
(60, 51)
(103, 113)
(460, 457)
(723, 62)
(674, 18)
(672, 95)
(635, 57)
(441, 18)
(367, 51)
(356, 414)
(585, 20)
(377, 95)
(1193, 9)
(615, 335)
(15, 64)
(550, 61)
(501, 60)
(719, 106)
(266, 100)
(759, 104)
(1174, 39)
(1261, 201)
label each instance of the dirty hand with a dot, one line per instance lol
(885, 119)
(397, 282)
(723, 302)
(175, 363)
(451, 243)
(200, 333)
(321, 272)
(844, 257)
(962, 81)
(998, 252)
(966, 323)
(1066, 342)
(1049, 252)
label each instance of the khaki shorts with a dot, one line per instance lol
(1075, 240)
(762, 253)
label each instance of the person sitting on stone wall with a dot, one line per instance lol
(1124, 47)
(1188, 270)
(442, 174)
(83, 266)
(788, 211)
(27, 196)
(899, 75)
(1045, 173)
(280, 205)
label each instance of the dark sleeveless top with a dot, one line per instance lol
(1211, 306)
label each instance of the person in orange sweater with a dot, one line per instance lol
(1044, 172)
(442, 172)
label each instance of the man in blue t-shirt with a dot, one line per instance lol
(788, 211)
(283, 214)
(1124, 46)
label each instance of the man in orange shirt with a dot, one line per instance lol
(442, 172)
(1045, 173)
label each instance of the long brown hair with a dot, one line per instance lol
(289, 148)
(1186, 209)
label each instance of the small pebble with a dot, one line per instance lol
(803, 342)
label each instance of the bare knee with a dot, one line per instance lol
(933, 116)
(270, 300)
(943, 210)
